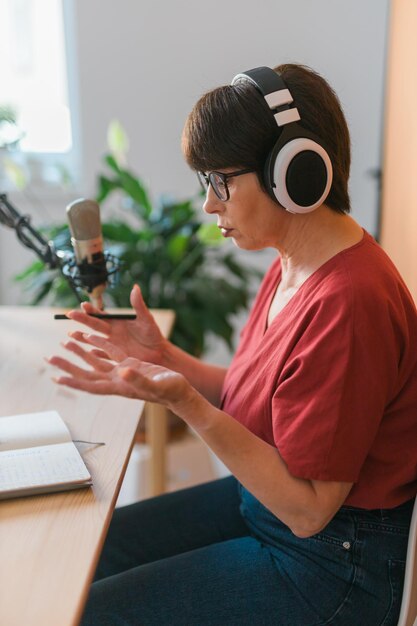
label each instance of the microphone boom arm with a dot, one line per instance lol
(32, 239)
(29, 236)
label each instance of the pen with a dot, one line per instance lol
(101, 316)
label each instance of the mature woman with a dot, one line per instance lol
(316, 417)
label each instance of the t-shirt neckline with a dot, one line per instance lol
(310, 279)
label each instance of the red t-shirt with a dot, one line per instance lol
(332, 382)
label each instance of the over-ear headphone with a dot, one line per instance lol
(298, 171)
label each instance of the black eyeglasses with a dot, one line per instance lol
(218, 181)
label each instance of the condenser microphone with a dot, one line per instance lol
(87, 241)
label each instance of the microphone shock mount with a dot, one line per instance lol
(80, 276)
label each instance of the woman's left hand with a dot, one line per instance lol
(122, 375)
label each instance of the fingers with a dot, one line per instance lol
(85, 338)
(99, 387)
(79, 336)
(70, 368)
(100, 353)
(107, 350)
(90, 309)
(89, 356)
(138, 303)
(112, 351)
(132, 379)
(102, 385)
(84, 317)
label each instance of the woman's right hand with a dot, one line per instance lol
(139, 338)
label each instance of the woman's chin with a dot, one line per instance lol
(244, 243)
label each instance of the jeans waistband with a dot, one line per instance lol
(400, 514)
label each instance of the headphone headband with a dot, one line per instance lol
(298, 171)
(263, 78)
(276, 93)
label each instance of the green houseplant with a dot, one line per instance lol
(10, 135)
(177, 260)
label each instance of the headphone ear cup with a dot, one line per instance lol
(268, 174)
(298, 175)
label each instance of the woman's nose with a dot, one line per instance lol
(212, 204)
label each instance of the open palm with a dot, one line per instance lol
(139, 338)
(118, 374)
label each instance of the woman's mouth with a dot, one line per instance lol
(226, 232)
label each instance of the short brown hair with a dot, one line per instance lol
(232, 126)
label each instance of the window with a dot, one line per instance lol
(33, 79)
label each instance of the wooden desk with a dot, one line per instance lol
(50, 544)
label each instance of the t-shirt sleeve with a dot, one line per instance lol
(331, 394)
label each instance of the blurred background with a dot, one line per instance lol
(69, 69)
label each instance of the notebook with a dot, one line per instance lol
(37, 455)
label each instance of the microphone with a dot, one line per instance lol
(87, 241)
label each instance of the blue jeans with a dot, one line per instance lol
(213, 555)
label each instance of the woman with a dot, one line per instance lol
(316, 417)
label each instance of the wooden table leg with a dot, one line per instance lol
(156, 436)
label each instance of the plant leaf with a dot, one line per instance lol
(210, 235)
(105, 187)
(119, 231)
(134, 188)
(177, 247)
(117, 140)
(112, 163)
(36, 268)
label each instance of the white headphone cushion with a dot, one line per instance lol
(282, 162)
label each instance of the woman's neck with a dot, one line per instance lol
(311, 240)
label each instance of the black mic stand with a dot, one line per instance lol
(32, 239)
(78, 276)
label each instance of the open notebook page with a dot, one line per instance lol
(32, 429)
(40, 469)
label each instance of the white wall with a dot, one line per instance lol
(146, 62)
